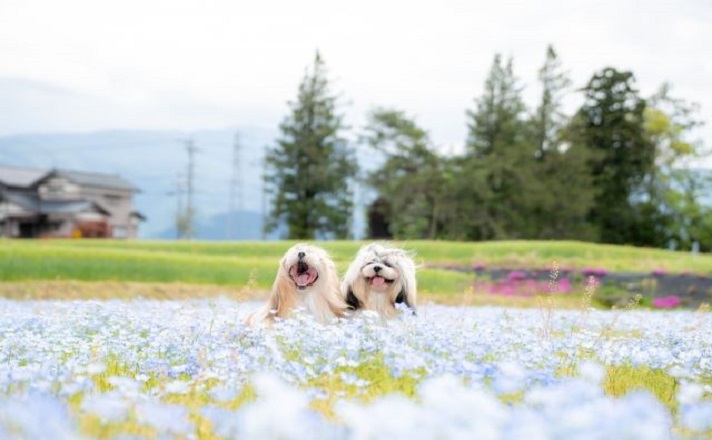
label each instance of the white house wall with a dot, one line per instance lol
(58, 188)
(119, 203)
(10, 209)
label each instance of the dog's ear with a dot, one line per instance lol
(402, 298)
(274, 304)
(352, 301)
(283, 297)
(409, 290)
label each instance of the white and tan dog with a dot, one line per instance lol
(307, 279)
(379, 278)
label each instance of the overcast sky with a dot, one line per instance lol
(82, 65)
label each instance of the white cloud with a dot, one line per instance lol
(223, 58)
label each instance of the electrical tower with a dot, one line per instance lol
(180, 214)
(263, 207)
(189, 210)
(236, 195)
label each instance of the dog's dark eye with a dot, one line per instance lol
(387, 264)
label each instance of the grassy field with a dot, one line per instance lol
(189, 369)
(241, 266)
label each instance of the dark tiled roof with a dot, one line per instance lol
(20, 177)
(96, 179)
(24, 177)
(30, 202)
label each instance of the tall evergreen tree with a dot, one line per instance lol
(309, 168)
(549, 117)
(610, 125)
(496, 123)
(497, 181)
(566, 193)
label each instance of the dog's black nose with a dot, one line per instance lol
(377, 268)
(301, 255)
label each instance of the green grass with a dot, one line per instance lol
(569, 254)
(623, 379)
(61, 261)
(238, 264)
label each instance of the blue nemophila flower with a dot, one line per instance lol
(36, 416)
(109, 407)
(476, 372)
(165, 418)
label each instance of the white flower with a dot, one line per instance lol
(110, 406)
(697, 417)
(591, 371)
(165, 418)
(177, 387)
(95, 368)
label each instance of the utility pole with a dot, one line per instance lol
(264, 194)
(189, 211)
(180, 215)
(235, 186)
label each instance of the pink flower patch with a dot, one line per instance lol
(594, 271)
(666, 302)
(516, 275)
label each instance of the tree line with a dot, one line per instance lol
(619, 170)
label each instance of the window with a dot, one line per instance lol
(112, 200)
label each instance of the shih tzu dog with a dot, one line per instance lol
(379, 278)
(306, 279)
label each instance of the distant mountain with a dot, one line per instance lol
(156, 161)
(243, 225)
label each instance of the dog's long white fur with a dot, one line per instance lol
(322, 298)
(395, 265)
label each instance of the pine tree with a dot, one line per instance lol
(496, 122)
(610, 126)
(497, 177)
(566, 196)
(310, 167)
(549, 117)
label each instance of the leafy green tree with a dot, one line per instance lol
(310, 167)
(672, 190)
(411, 180)
(690, 219)
(610, 126)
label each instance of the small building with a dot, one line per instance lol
(62, 203)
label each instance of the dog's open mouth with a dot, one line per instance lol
(303, 275)
(379, 281)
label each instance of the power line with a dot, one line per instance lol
(95, 148)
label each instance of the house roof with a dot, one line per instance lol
(112, 181)
(19, 177)
(24, 177)
(32, 203)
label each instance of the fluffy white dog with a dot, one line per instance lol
(306, 279)
(379, 278)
